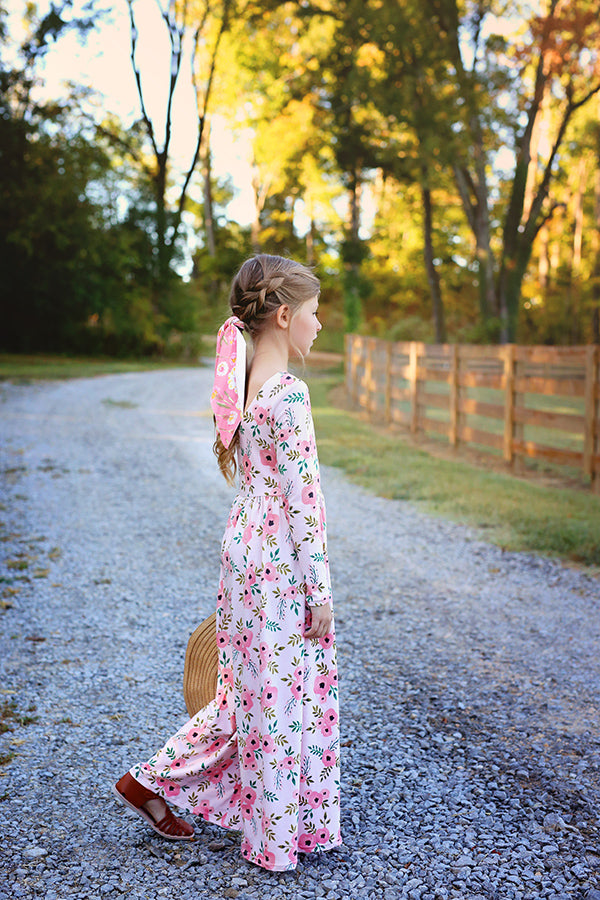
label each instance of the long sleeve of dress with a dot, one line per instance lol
(298, 468)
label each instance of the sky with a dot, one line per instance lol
(102, 62)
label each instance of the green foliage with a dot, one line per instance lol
(356, 285)
(78, 276)
(211, 277)
(409, 328)
(72, 272)
(485, 331)
(353, 251)
(352, 308)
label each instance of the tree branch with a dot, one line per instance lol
(549, 215)
(514, 212)
(542, 193)
(176, 40)
(587, 96)
(202, 107)
(115, 139)
(138, 81)
(466, 189)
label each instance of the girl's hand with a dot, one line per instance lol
(318, 621)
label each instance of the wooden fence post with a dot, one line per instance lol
(356, 352)
(352, 367)
(388, 381)
(509, 403)
(368, 372)
(349, 360)
(454, 394)
(590, 432)
(413, 386)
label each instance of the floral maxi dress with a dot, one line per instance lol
(263, 756)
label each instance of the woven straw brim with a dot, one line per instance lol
(200, 669)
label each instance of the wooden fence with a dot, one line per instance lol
(517, 402)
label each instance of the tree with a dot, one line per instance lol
(201, 25)
(560, 290)
(556, 59)
(273, 62)
(74, 268)
(407, 78)
(377, 78)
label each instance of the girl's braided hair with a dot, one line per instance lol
(266, 282)
(262, 285)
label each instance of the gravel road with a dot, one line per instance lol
(469, 677)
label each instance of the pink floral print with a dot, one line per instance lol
(263, 756)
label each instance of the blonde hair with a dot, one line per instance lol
(261, 286)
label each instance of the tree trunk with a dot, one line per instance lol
(578, 217)
(475, 204)
(354, 208)
(510, 283)
(352, 294)
(164, 249)
(432, 273)
(259, 194)
(555, 256)
(596, 251)
(310, 243)
(510, 276)
(255, 231)
(472, 186)
(485, 261)
(483, 231)
(209, 226)
(541, 124)
(544, 260)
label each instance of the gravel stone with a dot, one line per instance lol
(34, 852)
(469, 676)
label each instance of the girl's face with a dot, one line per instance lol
(305, 326)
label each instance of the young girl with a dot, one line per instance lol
(262, 757)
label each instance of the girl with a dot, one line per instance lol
(262, 757)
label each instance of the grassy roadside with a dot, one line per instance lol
(22, 368)
(509, 511)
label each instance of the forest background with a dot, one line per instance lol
(437, 161)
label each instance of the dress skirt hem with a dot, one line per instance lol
(185, 807)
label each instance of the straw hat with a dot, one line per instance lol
(200, 668)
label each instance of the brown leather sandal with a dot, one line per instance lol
(133, 794)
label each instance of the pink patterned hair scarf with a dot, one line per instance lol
(227, 398)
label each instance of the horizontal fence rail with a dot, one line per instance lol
(517, 402)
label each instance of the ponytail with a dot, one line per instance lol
(227, 456)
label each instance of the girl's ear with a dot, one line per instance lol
(282, 316)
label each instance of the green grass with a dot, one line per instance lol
(549, 436)
(23, 368)
(509, 511)
(545, 435)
